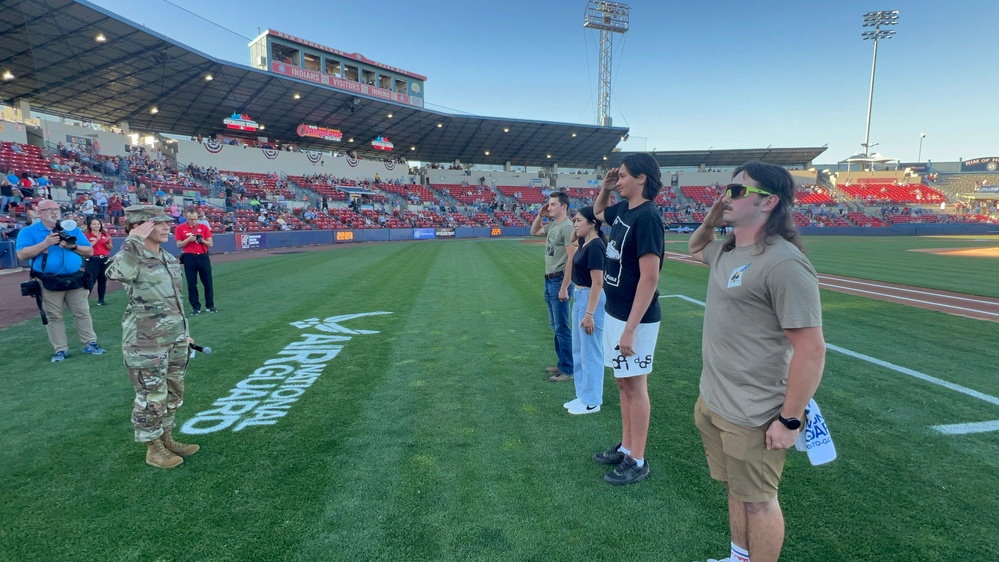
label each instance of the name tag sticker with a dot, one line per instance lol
(735, 279)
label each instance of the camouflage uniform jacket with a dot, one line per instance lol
(155, 313)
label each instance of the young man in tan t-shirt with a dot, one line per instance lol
(763, 350)
(558, 278)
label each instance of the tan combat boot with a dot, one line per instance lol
(157, 455)
(177, 448)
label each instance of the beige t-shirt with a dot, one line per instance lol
(751, 299)
(559, 235)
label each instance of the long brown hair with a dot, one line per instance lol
(780, 222)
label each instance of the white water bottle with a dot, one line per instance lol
(816, 438)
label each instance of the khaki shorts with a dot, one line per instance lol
(739, 456)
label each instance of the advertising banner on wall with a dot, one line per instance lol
(986, 164)
(445, 233)
(423, 234)
(314, 131)
(240, 122)
(251, 241)
(343, 84)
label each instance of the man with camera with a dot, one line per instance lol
(194, 239)
(57, 251)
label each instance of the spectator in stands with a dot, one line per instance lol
(631, 327)
(143, 194)
(116, 208)
(63, 260)
(97, 264)
(101, 202)
(558, 278)
(11, 196)
(173, 210)
(763, 350)
(194, 240)
(88, 208)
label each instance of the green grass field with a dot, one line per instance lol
(439, 438)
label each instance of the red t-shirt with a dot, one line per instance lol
(101, 242)
(193, 247)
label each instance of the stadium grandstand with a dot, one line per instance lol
(308, 137)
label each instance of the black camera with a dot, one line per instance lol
(198, 238)
(63, 236)
(31, 288)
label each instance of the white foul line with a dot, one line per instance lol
(908, 299)
(954, 429)
(900, 289)
(965, 428)
(686, 258)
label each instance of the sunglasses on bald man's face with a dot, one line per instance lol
(738, 191)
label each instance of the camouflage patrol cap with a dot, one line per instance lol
(143, 213)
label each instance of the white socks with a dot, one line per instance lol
(739, 554)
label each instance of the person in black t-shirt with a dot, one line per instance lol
(631, 280)
(588, 314)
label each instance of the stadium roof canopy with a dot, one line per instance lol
(60, 68)
(722, 158)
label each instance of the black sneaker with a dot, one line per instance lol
(212, 309)
(610, 456)
(101, 303)
(628, 472)
(196, 312)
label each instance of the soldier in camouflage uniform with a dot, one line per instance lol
(154, 332)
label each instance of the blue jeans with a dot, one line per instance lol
(558, 318)
(588, 349)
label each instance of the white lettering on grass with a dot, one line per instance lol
(268, 393)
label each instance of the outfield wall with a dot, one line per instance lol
(269, 240)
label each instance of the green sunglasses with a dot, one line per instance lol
(738, 191)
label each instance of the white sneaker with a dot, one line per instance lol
(580, 408)
(571, 403)
(728, 559)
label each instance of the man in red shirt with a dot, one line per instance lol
(194, 239)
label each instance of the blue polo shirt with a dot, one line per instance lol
(60, 261)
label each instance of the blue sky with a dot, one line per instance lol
(688, 75)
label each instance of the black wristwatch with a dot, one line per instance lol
(790, 423)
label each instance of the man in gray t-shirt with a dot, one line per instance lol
(763, 351)
(558, 278)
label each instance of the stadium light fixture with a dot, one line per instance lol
(609, 18)
(297, 96)
(549, 156)
(574, 135)
(209, 77)
(389, 115)
(605, 157)
(8, 75)
(876, 20)
(487, 153)
(154, 110)
(439, 125)
(412, 148)
(101, 38)
(506, 129)
(919, 157)
(351, 139)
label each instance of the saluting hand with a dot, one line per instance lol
(144, 230)
(610, 179)
(714, 217)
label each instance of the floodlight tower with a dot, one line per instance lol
(608, 17)
(876, 20)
